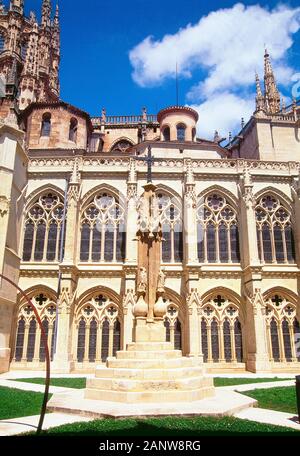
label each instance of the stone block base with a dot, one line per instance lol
(4, 359)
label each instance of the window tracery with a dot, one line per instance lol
(282, 329)
(103, 232)
(43, 229)
(274, 231)
(171, 223)
(218, 234)
(221, 331)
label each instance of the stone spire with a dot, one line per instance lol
(260, 105)
(46, 13)
(272, 96)
(55, 53)
(17, 6)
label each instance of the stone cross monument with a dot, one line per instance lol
(150, 307)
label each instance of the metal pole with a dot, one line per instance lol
(60, 259)
(47, 355)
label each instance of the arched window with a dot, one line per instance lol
(28, 332)
(73, 130)
(281, 324)
(103, 235)
(166, 134)
(99, 329)
(181, 132)
(121, 146)
(173, 326)
(170, 217)
(24, 47)
(193, 134)
(43, 229)
(274, 231)
(46, 124)
(221, 320)
(217, 228)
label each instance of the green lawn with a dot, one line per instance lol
(224, 381)
(282, 399)
(15, 403)
(76, 382)
(167, 427)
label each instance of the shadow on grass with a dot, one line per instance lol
(169, 427)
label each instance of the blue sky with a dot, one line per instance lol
(107, 60)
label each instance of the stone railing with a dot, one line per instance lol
(90, 164)
(123, 120)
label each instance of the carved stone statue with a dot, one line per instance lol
(161, 281)
(142, 284)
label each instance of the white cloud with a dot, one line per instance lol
(222, 112)
(227, 45)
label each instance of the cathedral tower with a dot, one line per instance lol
(33, 48)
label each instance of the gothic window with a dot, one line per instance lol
(99, 329)
(121, 146)
(166, 134)
(73, 130)
(42, 354)
(170, 216)
(43, 229)
(217, 228)
(103, 235)
(46, 124)
(274, 231)
(177, 335)
(281, 322)
(105, 341)
(173, 326)
(227, 340)
(31, 340)
(204, 340)
(238, 341)
(24, 47)
(81, 340)
(181, 128)
(20, 339)
(221, 331)
(93, 340)
(117, 337)
(29, 344)
(167, 326)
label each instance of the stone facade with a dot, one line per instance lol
(230, 219)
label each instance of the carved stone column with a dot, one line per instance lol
(63, 361)
(258, 359)
(128, 304)
(72, 219)
(194, 324)
(131, 216)
(248, 244)
(190, 216)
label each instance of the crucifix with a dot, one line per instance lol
(149, 238)
(149, 159)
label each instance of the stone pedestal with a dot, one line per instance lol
(150, 330)
(150, 372)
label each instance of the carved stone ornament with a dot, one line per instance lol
(4, 205)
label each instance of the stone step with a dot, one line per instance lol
(150, 354)
(149, 374)
(170, 363)
(130, 385)
(150, 346)
(159, 397)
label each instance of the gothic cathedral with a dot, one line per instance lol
(69, 206)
